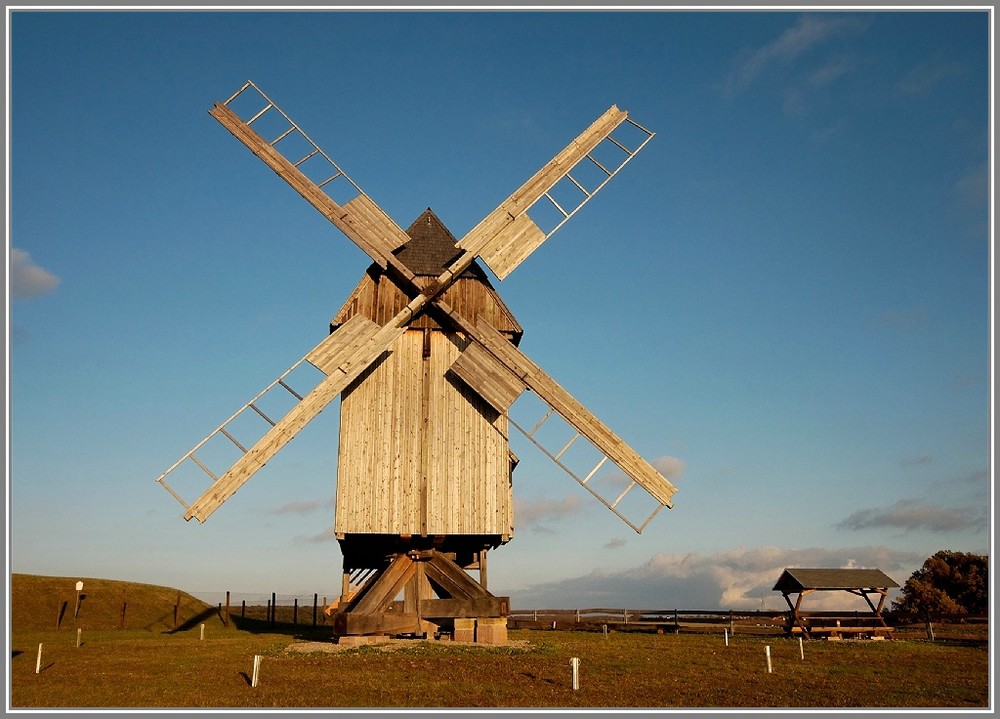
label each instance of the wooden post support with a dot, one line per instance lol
(315, 606)
(243, 609)
(295, 611)
(38, 661)
(274, 608)
(767, 653)
(124, 607)
(225, 620)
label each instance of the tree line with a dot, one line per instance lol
(949, 584)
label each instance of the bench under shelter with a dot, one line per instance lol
(865, 583)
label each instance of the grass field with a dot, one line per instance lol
(152, 665)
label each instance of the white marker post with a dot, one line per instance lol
(767, 652)
(79, 588)
(802, 652)
(725, 633)
(575, 663)
(79, 633)
(38, 662)
(256, 670)
(202, 637)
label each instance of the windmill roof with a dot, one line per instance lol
(432, 248)
(796, 579)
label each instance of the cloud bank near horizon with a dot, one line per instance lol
(739, 578)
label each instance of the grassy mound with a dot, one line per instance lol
(44, 603)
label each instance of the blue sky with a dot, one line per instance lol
(785, 297)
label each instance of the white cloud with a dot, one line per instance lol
(972, 190)
(910, 514)
(926, 76)
(809, 32)
(298, 507)
(670, 467)
(532, 512)
(734, 579)
(28, 279)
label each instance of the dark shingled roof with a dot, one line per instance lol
(432, 248)
(795, 579)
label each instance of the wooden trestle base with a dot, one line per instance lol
(438, 596)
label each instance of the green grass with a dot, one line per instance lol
(158, 667)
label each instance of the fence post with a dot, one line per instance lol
(731, 629)
(315, 604)
(295, 612)
(243, 609)
(177, 608)
(225, 621)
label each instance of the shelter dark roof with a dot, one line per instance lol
(795, 579)
(432, 248)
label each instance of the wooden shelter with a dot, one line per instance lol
(864, 583)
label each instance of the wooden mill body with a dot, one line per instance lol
(424, 356)
(424, 461)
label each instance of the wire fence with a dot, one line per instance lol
(311, 610)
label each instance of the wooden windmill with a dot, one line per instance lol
(424, 355)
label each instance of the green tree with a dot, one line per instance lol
(947, 584)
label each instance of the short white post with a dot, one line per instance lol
(725, 633)
(38, 662)
(802, 652)
(79, 632)
(605, 626)
(767, 652)
(256, 670)
(575, 663)
(202, 632)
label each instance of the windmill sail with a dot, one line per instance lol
(496, 369)
(342, 356)
(359, 218)
(503, 239)
(509, 234)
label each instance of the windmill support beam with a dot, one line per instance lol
(419, 575)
